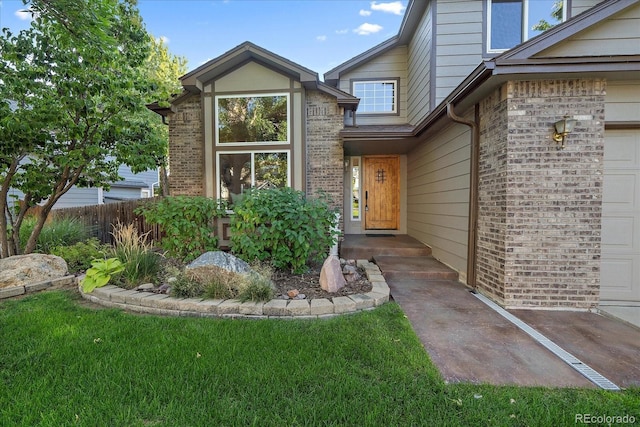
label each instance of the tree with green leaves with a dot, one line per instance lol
(72, 106)
(556, 15)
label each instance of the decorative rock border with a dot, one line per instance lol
(160, 304)
(14, 291)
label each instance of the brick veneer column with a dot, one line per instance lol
(186, 150)
(540, 207)
(325, 156)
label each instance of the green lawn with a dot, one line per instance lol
(64, 364)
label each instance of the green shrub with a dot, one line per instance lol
(257, 286)
(141, 264)
(187, 223)
(219, 288)
(282, 226)
(57, 232)
(185, 287)
(80, 255)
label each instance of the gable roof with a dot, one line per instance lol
(412, 17)
(522, 62)
(194, 81)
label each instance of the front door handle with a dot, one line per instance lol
(366, 201)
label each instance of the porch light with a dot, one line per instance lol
(562, 128)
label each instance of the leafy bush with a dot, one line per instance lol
(57, 232)
(141, 264)
(100, 273)
(187, 223)
(80, 255)
(283, 226)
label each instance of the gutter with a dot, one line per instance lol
(473, 189)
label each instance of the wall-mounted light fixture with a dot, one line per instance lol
(562, 128)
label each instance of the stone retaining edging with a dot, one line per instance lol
(161, 304)
(14, 291)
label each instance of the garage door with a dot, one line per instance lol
(620, 268)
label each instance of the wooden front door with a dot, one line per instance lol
(381, 176)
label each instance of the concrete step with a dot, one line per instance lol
(367, 247)
(414, 267)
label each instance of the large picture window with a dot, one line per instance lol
(240, 171)
(377, 97)
(512, 22)
(253, 119)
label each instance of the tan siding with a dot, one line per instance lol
(622, 102)
(619, 35)
(459, 43)
(390, 65)
(438, 195)
(252, 76)
(419, 62)
(579, 6)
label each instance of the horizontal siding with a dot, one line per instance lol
(390, 65)
(619, 35)
(78, 197)
(622, 103)
(458, 43)
(148, 177)
(438, 195)
(579, 6)
(419, 63)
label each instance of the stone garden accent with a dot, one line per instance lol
(22, 270)
(161, 304)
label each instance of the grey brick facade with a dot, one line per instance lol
(540, 207)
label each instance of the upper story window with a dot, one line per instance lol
(377, 96)
(511, 22)
(252, 119)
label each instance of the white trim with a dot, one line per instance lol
(250, 95)
(396, 88)
(351, 193)
(100, 196)
(524, 31)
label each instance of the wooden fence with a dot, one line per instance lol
(100, 218)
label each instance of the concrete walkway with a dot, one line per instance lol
(471, 342)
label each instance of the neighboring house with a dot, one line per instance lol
(132, 186)
(445, 133)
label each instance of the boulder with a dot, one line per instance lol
(331, 278)
(220, 260)
(221, 265)
(23, 270)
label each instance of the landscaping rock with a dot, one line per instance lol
(222, 260)
(331, 278)
(293, 293)
(21, 270)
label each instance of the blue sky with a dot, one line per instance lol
(317, 34)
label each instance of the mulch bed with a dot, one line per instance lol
(309, 284)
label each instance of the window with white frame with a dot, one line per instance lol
(377, 96)
(511, 22)
(252, 119)
(242, 170)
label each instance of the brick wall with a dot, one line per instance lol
(540, 207)
(186, 149)
(325, 157)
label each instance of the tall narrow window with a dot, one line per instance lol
(377, 97)
(355, 188)
(512, 22)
